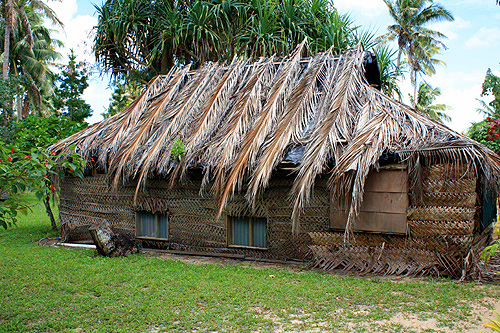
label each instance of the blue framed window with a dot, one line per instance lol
(248, 231)
(149, 225)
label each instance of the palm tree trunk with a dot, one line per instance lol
(5, 69)
(6, 48)
(413, 77)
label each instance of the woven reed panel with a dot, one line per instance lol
(433, 228)
(196, 239)
(443, 171)
(360, 239)
(466, 185)
(99, 208)
(87, 201)
(106, 199)
(197, 225)
(441, 213)
(450, 199)
(380, 260)
(307, 224)
(307, 211)
(450, 244)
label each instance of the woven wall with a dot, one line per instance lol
(442, 225)
(193, 222)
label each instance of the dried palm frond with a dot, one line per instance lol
(172, 125)
(209, 121)
(294, 122)
(146, 121)
(225, 146)
(274, 107)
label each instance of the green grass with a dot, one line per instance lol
(73, 290)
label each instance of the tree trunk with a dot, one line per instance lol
(110, 242)
(6, 48)
(5, 68)
(46, 201)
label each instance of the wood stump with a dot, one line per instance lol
(109, 241)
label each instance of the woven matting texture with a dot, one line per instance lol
(192, 217)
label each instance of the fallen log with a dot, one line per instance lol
(109, 241)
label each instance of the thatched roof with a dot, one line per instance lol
(238, 121)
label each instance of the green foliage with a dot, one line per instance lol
(150, 37)
(125, 93)
(70, 86)
(177, 149)
(494, 324)
(487, 131)
(389, 72)
(479, 132)
(10, 89)
(39, 132)
(32, 52)
(426, 95)
(491, 87)
(36, 170)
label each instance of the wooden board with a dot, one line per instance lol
(393, 181)
(385, 204)
(373, 222)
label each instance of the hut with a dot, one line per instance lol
(286, 159)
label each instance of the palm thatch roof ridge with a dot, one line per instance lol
(238, 120)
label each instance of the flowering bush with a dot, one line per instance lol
(37, 170)
(493, 131)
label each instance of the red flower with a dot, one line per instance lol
(52, 189)
(92, 159)
(10, 159)
(54, 153)
(45, 175)
(46, 164)
(27, 157)
(1, 159)
(12, 150)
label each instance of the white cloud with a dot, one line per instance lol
(485, 37)
(464, 104)
(451, 29)
(369, 8)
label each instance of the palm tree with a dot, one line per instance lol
(15, 12)
(32, 59)
(415, 41)
(424, 103)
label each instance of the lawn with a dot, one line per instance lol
(47, 289)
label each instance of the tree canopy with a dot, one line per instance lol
(415, 41)
(151, 36)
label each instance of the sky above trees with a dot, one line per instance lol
(473, 47)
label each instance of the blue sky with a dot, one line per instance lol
(473, 47)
